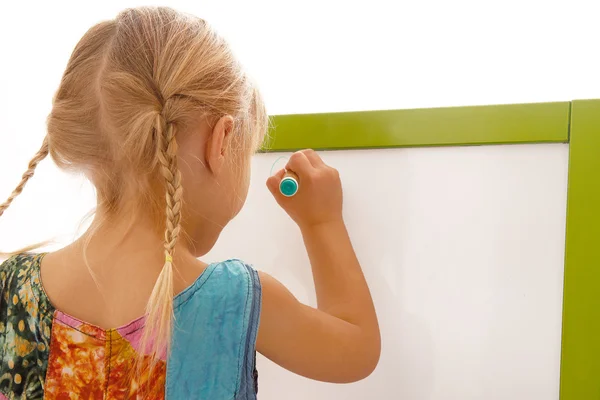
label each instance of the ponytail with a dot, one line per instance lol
(159, 310)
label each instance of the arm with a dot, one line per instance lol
(338, 341)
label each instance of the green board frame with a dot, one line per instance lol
(580, 360)
(576, 123)
(478, 125)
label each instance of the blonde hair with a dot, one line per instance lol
(130, 85)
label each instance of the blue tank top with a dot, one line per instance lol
(47, 354)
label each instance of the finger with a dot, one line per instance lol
(313, 157)
(274, 181)
(299, 163)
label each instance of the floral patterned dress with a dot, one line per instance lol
(46, 354)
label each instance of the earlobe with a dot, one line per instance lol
(219, 142)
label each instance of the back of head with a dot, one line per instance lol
(131, 85)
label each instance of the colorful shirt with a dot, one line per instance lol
(46, 354)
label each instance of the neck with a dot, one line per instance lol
(126, 242)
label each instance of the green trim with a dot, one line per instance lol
(501, 124)
(580, 364)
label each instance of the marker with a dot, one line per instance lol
(289, 184)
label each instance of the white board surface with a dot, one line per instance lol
(463, 249)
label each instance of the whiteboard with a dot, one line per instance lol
(463, 249)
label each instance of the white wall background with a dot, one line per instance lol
(313, 56)
(463, 251)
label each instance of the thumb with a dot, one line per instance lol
(274, 181)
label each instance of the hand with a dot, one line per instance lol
(319, 197)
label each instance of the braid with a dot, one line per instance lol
(169, 170)
(40, 155)
(160, 305)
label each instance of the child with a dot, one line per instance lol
(156, 111)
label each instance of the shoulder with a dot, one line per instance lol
(20, 282)
(235, 272)
(19, 269)
(231, 280)
(234, 266)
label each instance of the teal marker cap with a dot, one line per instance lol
(289, 185)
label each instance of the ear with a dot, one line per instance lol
(218, 143)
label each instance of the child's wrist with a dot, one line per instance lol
(325, 225)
